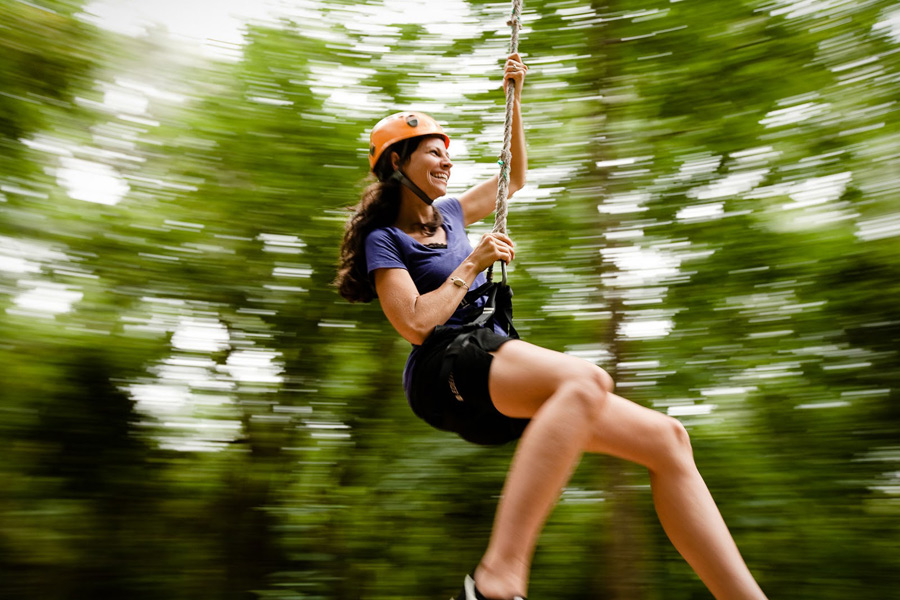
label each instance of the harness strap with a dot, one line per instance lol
(400, 176)
(497, 305)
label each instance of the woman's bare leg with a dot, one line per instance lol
(572, 410)
(683, 503)
(547, 454)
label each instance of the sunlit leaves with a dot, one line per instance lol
(711, 215)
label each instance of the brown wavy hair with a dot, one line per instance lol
(377, 207)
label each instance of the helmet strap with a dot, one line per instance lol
(404, 180)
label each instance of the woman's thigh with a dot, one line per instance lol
(523, 376)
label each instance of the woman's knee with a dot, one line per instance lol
(675, 442)
(596, 382)
(588, 390)
(523, 377)
(603, 380)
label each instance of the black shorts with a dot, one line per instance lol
(449, 386)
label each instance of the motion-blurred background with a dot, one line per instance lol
(188, 410)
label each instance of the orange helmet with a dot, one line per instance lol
(398, 127)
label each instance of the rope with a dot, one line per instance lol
(505, 154)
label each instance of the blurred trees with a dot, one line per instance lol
(190, 410)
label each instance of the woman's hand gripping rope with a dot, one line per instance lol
(515, 70)
(492, 247)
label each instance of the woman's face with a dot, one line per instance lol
(429, 167)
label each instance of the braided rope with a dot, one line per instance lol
(505, 154)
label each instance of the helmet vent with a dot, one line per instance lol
(412, 121)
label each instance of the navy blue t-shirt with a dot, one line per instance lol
(392, 248)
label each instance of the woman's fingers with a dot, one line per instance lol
(515, 69)
(501, 246)
(516, 59)
(515, 63)
(502, 236)
(499, 237)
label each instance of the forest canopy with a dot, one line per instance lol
(190, 410)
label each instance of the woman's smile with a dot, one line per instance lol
(441, 177)
(431, 162)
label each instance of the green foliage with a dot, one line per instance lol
(190, 410)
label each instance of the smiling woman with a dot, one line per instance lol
(468, 372)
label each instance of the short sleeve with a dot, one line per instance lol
(382, 252)
(451, 209)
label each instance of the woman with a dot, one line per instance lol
(410, 250)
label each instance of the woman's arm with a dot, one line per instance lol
(415, 316)
(480, 200)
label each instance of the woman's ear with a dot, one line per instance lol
(395, 160)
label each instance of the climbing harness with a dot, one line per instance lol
(497, 306)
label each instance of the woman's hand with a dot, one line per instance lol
(491, 248)
(515, 69)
